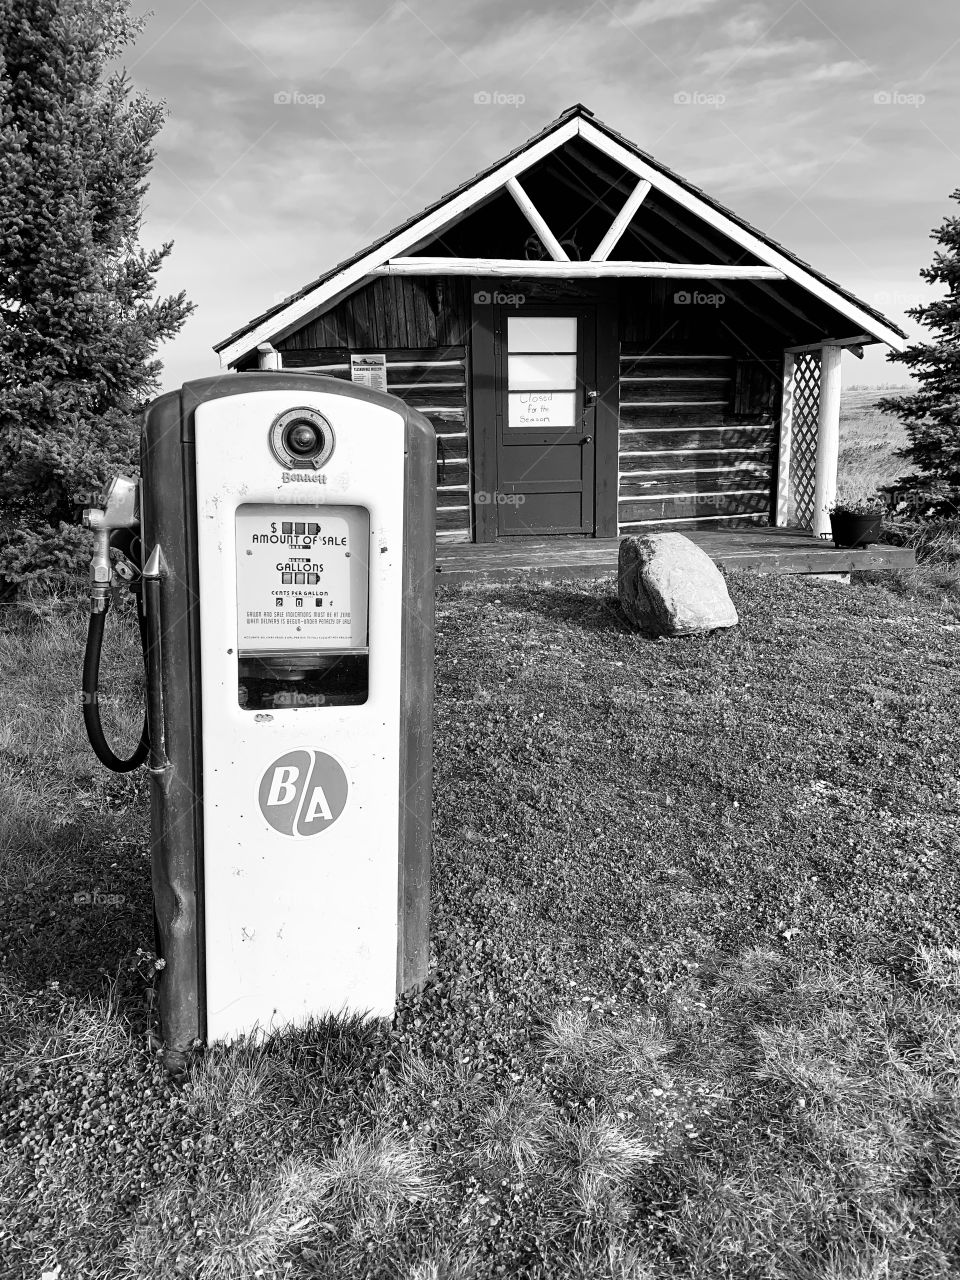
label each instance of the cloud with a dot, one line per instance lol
(802, 94)
(844, 70)
(749, 24)
(647, 12)
(755, 173)
(732, 57)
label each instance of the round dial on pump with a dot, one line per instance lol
(304, 439)
(301, 438)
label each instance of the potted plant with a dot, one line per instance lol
(855, 521)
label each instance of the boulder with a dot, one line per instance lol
(668, 586)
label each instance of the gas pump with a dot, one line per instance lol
(281, 547)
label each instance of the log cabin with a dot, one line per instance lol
(601, 346)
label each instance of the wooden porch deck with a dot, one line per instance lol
(767, 550)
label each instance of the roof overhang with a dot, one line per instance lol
(752, 243)
(392, 255)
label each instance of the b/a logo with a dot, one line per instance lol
(303, 792)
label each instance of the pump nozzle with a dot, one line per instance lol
(120, 510)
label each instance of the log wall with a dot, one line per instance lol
(697, 440)
(392, 313)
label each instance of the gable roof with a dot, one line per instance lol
(577, 121)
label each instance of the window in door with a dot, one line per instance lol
(542, 372)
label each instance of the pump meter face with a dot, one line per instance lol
(302, 586)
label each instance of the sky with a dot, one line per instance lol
(297, 133)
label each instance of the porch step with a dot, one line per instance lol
(771, 551)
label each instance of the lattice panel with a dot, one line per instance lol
(806, 416)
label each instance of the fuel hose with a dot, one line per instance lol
(91, 695)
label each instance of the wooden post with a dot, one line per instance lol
(269, 357)
(828, 440)
(785, 452)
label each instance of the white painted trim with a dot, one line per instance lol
(712, 426)
(510, 268)
(746, 239)
(684, 357)
(670, 404)
(828, 440)
(269, 358)
(537, 222)
(684, 453)
(318, 368)
(786, 440)
(638, 377)
(391, 364)
(423, 228)
(665, 497)
(692, 471)
(424, 386)
(620, 223)
(743, 515)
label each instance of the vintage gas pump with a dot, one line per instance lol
(285, 575)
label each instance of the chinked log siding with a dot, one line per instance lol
(435, 382)
(697, 442)
(694, 509)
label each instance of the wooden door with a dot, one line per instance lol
(546, 409)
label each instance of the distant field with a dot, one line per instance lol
(868, 440)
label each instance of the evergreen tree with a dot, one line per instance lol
(931, 415)
(79, 324)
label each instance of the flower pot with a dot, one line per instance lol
(852, 529)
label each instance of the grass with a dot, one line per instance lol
(869, 440)
(695, 1004)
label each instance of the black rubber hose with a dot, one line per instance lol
(91, 694)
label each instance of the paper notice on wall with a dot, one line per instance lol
(369, 371)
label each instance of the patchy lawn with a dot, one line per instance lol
(696, 1003)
